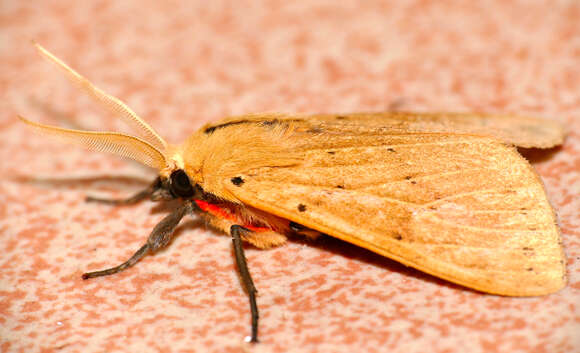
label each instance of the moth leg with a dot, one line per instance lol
(140, 196)
(302, 230)
(259, 239)
(236, 231)
(159, 238)
(265, 240)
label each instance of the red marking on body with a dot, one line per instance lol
(226, 213)
(215, 210)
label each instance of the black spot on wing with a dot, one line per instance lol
(266, 122)
(211, 129)
(301, 207)
(237, 181)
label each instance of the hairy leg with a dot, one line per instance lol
(159, 237)
(236, 231)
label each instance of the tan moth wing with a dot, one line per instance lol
(462, 207)
(522, 131)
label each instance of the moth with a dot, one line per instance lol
(447, 194)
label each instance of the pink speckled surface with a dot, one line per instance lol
(181, 64)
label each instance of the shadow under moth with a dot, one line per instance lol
(445, 193)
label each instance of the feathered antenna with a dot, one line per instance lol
(111, 142)
(149, 149)
(113, 104)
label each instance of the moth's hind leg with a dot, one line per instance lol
(138, 197)
(236, 231)
(159, 237)
(264, 239)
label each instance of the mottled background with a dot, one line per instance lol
(180, 64)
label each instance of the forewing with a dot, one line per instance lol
(527, 132)
(465, 208)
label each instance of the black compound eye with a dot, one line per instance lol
(180, 184)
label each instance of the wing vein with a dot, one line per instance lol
(358, 145)
(469, 193)
(449, 224)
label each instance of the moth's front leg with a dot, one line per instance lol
(236, 231)
(138, 197)
(159, 237)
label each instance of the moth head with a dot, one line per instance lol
(173, 176)
(179, 184)
(144, 146)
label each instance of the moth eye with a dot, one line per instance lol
(180, 184)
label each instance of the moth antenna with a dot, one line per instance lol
(113, 104)
(111, 142)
